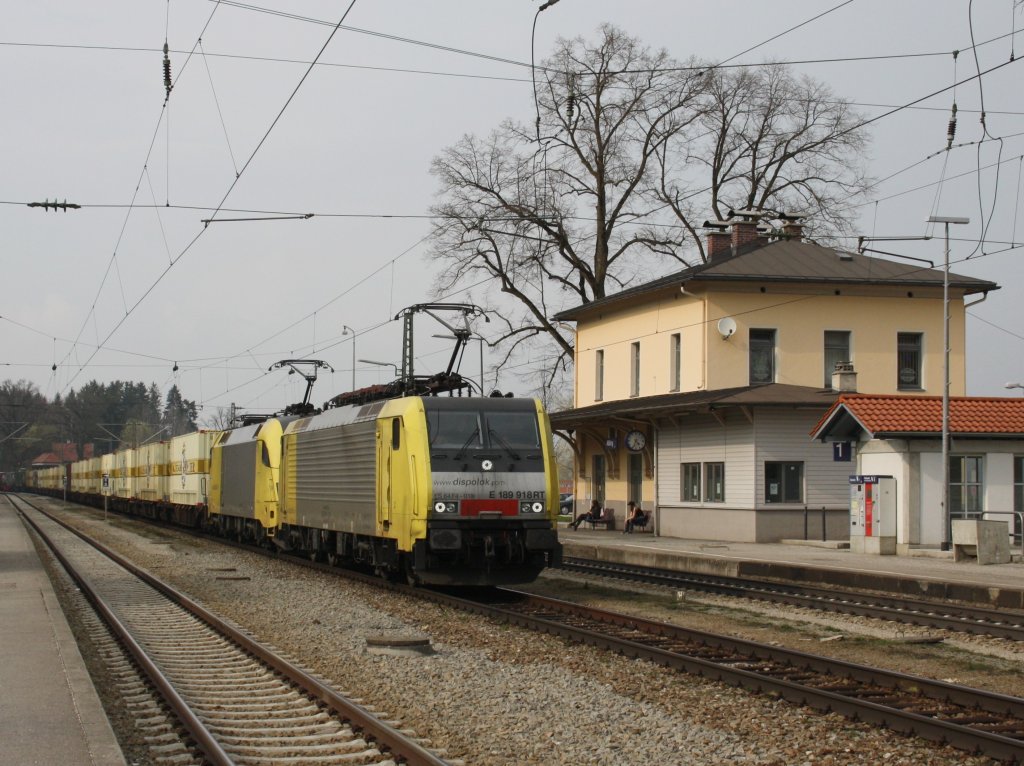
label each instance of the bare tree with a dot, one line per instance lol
(555, 211)
(772, 141)
(218, 420)
(628, 150)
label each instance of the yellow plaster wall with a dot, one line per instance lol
(651, 323)
(872, 315)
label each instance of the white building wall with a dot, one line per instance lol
(917, 466)
(782, 435)
(890, 458)
(999, 485)
(932, 518)
(703, 439)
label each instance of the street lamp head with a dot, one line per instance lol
(1014, 385)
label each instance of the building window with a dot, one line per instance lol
(714, 482)
(965, 485)
(908, 361)
(675, 361)
(762, 356)
(690, 482)
(837, 349)
(783, 482)
(599, 375)
(634, 369)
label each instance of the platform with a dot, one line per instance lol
(49, 710)
(934, 574)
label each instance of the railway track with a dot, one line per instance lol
(968, 719)
(238, 701)
(1007, 624)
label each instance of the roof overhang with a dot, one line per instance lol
(649, 408)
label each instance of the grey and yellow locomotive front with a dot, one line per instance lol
(495, 491)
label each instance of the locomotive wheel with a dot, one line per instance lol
(410, 575)
(332, 559)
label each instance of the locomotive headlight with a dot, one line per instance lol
(439, 507)
(443, 507)
(531, 507)
(537, 507)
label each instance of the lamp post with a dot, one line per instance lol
(381, 364)
(346, 330)
(947, 543)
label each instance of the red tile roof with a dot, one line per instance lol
(62, 452)
(880, 414)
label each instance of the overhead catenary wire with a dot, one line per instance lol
(112, 262)
(227, 193)
(94, 316)
(527, 80)
(220, 113)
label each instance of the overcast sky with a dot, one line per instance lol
(84, 120)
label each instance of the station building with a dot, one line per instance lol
(696, 393)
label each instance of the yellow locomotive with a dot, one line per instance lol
(436, 490)
(452, 490)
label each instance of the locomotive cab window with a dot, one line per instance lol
(517, 429)
(454, 429)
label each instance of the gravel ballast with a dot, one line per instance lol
(499, 695)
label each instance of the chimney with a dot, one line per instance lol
(744, 230)
(719, 242)
(791, 226)
(844, 379)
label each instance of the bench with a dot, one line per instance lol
(642, 523)
(607, 519)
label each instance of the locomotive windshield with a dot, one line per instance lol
(458, 430)
(470, 429)
(515, 429)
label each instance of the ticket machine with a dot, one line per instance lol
(873, 515)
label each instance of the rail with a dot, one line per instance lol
(398, 743)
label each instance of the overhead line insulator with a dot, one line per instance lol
(167, 69)
(46, 205)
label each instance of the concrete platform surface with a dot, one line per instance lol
(936, 575)
(49, 710)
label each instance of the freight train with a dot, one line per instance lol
(435, 490)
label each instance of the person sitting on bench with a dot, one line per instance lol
(592, 515)
(635, 517)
